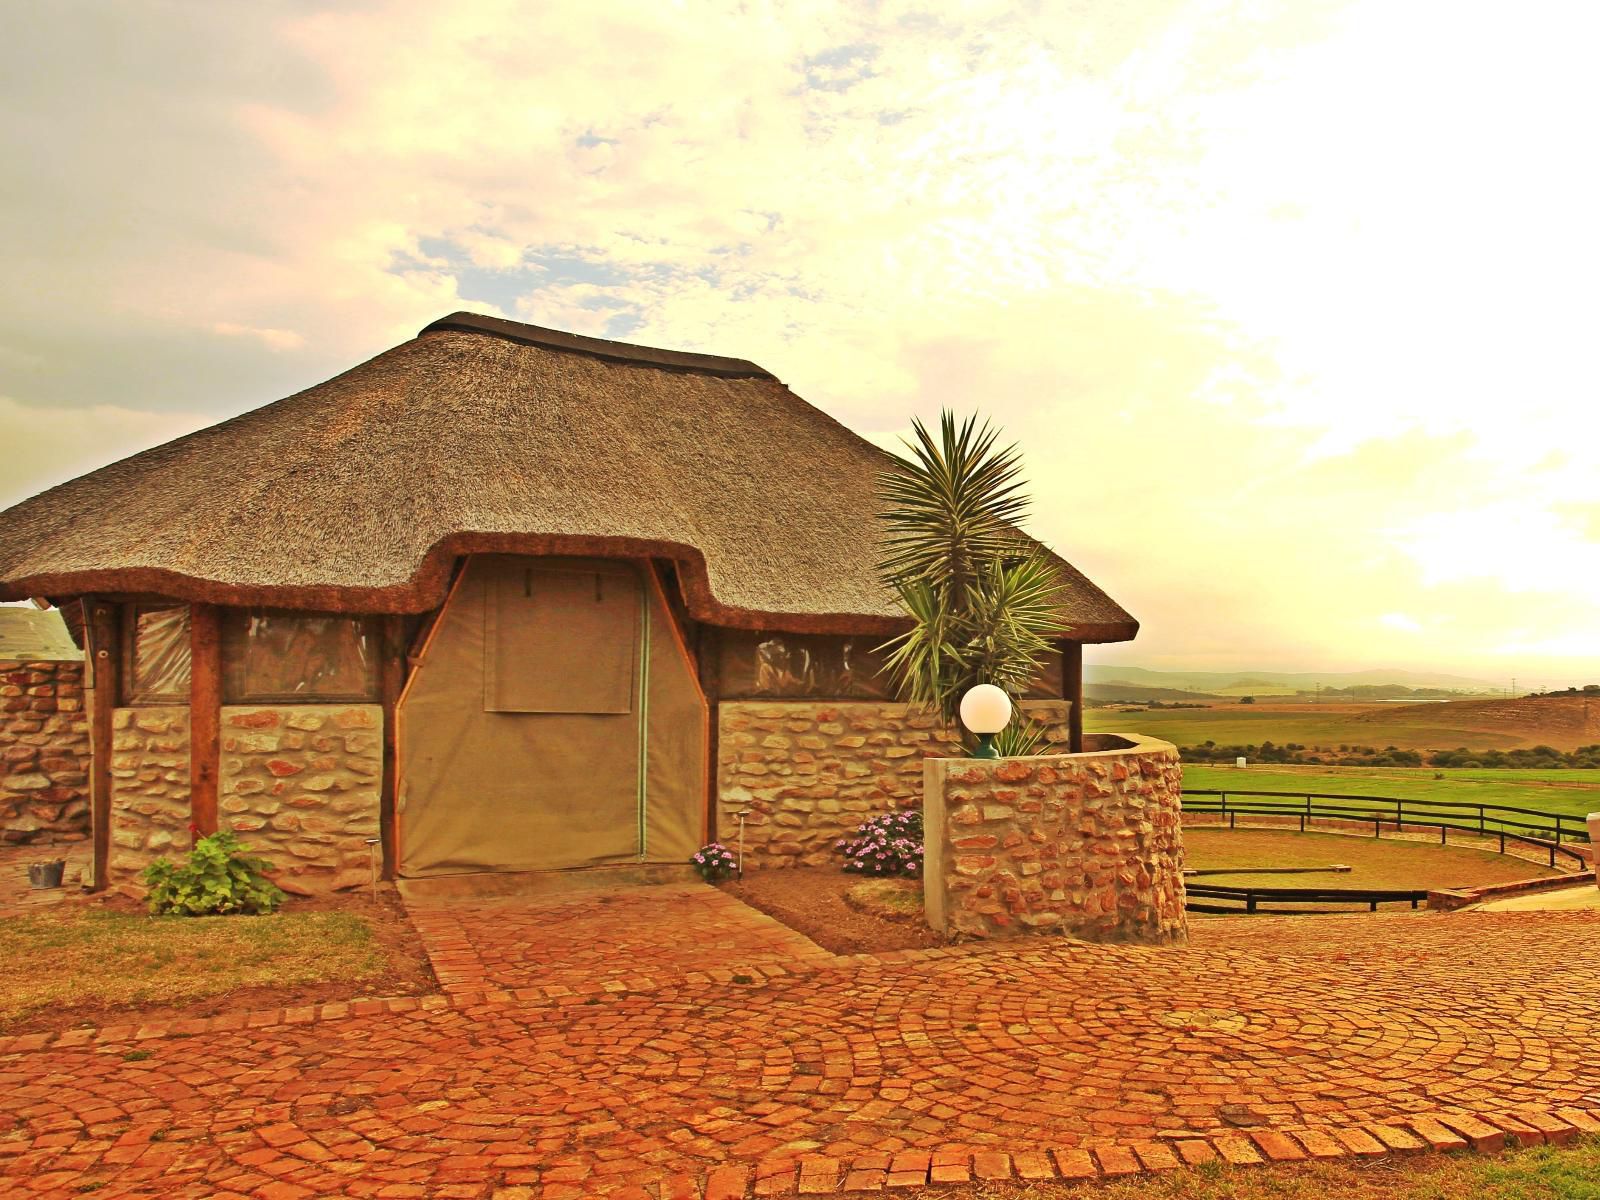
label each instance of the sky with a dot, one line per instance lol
(1290, 305)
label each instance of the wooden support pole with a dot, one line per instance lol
(205, 714)
(392, 678)
(100, 647)
(1072, 689)
(708, 652)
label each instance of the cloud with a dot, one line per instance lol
(1287, 355)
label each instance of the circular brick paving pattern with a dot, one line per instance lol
(1303, 1021)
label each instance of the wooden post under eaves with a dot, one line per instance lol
(708, 653)
(391, 679)
(1072, 689)
(100, 650)
(205, 714)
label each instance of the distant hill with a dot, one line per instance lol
(1120, 690)
(1232, 682)
(1563, 721)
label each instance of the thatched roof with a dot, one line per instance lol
(486, 435)
(28, 635)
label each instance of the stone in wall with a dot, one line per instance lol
(44, 753)
(1082, 844)
(149, 790)
(300, 785)
(808, 772)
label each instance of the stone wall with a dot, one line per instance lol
(298, 783)
(44, 753)
(810, 771)
(149, 789)
(1083, 844)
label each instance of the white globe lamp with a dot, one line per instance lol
(985, 710)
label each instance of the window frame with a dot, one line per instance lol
(371, 630)
(128, 641)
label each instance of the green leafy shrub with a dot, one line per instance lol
(219, 878)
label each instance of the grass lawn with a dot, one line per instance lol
(1573, 793)
(1374, 864)
(1538, 1173)
(105, 960)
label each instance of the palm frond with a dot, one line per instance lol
(982, 597)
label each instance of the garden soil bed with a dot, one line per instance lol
(407, 973)
(812, 901)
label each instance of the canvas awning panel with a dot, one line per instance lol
(515, 755)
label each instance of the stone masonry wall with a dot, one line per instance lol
(149, 789)
(810, 771)
(298, 783)
(1083, 844)
(44, 753)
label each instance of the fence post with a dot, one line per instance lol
(1502, 839)
(1249, 902)
(1444, 836)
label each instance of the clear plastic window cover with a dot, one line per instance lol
(161, 652)
(822, 666)
(283, 656)
(798, 665)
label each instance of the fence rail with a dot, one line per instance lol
(1251, 899)
(1546, 832)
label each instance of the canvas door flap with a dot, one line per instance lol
(560, 639)
(675, 766)
(508, 791)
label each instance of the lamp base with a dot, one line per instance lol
(985, 747)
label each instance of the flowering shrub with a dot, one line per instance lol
(886, 845)
(714, 862)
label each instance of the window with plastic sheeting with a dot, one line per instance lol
(801, 665)
(155, 654)
(825, 667)
(288, 657)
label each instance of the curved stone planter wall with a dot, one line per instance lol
(1083, 844)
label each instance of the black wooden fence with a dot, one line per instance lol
(1251, 899)
(1548, 833)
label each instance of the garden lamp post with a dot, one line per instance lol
(985, 710)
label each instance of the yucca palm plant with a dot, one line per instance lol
(982, 597)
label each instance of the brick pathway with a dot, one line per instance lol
(640, 1073)
(624, 940)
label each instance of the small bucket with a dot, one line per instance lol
(46, 874)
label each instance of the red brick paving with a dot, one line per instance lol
(623, 940)
(590, 1047)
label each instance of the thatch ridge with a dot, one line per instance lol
(577, 343)
(356, 495)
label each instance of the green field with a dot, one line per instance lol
(1310, 725)
(1573, 793)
